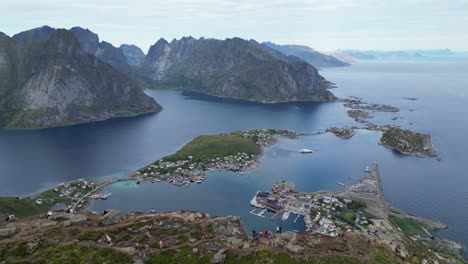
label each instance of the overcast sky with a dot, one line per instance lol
(322, 24)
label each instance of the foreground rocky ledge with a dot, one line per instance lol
(187, 237)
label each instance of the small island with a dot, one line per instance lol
(359, 114)
(237, 151)
(358, 104)
(408, 142)
(343, 133)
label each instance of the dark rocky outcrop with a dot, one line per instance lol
(48, 79)
(113, 217)
(308, 54)
(232, 68)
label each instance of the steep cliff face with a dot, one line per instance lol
(133, 54)
(308, 54)
(8, 77)
(233, 68)
(56, 82)
(103, 50)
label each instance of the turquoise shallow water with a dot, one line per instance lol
(36, 159)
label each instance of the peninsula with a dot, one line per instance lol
(237, 151)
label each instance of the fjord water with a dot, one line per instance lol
(32, 160)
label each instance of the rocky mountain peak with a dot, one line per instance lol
(103, 50)
(87, 38)
(36, 34)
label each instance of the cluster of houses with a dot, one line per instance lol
(265, 137)
(67, 193)
(187, 171)
(326, 220)
(322, 213)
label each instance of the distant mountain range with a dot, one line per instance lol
(309, 55)
(379, 54)
(49, 78)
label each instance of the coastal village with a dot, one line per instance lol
(344, 221)
(359, 209)
(189, 169)
(323, 213)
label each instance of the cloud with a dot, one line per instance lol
(323, 24)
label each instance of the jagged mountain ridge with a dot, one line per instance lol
(103, 50)
(48, 79)
(232, 68)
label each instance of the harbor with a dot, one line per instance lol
(325, 213)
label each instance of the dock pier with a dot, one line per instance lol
(342, 184)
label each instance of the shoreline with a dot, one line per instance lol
(377, 206)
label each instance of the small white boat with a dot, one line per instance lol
(198, 181)
(105, 196)
(285, 216)
(305, 150)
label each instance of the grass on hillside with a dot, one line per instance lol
(207, 147)
(409, 226)
(21, 207)
(382, 257)
(185, 255)
(283, 258)
(452, 258)
(27, 206)
(79, 254)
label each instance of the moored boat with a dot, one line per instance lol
(305, 150)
